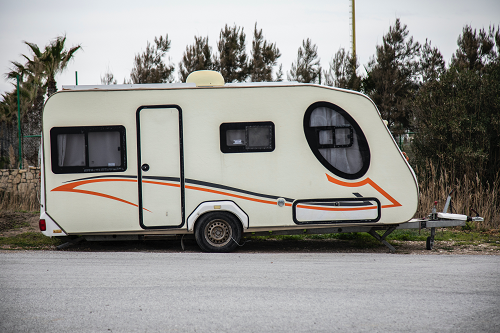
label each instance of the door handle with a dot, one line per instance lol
(145, 167)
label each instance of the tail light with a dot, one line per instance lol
(42, 225)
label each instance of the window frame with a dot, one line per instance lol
(55, 131)
(333, 129)
(224, 127)
(312, 137)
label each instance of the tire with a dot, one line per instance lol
(429, 244)
(218, 232)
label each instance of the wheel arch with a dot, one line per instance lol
(217, 206)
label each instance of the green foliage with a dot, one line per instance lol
(264, 58)
(457, 116)
(342, 71)
(476, 50)
(196, 57)
(53, 60)
(392, 77)
(149, 66)
(361, 239)
(431, 64)
(108, 78)
(30, 240)
(231, 60)
(37, 76)
(306, 69)
(279, 74)
(4, 162)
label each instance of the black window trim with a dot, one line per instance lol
(55, 131)
(313, 140)
(355, 201)
(224, 127)
(333, 128)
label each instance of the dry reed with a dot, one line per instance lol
(30, 201)
(468, 194)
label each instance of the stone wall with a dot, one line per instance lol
(24, 181)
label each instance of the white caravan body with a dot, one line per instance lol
(153, 159)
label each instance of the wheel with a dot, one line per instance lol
(430, 243)
(218, 232)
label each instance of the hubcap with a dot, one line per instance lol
(218, 233)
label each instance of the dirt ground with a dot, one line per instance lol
(15, 223)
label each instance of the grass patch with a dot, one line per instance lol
(463, 237)
(29, 241)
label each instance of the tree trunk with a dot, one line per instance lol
(51, 86)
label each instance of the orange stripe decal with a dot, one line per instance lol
(370, 182)
(231, 195)
(71, 188)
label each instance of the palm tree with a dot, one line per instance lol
(54, 59)
(31, 77)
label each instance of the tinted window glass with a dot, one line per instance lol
(336, 140)
(88, 149)
(104, 149)
(247, 137)
(259, 137)
(71, 150)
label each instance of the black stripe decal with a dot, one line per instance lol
(228, 188)
(97, 177)
(194, 182)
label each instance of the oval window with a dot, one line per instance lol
(336, 140)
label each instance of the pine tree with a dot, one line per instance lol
(196, 57)
(431, 64)
(264, 58)
(279, 74)
(231, 60)
(149, 66)
(475, 50)
(458, 114)
(392, 79)
(342, 73)
(108, 78)
(306, 69)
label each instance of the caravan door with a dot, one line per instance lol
(160, 167)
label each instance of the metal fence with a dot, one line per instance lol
(9, 145)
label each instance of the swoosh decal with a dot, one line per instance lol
(370, 182)
(72, 187)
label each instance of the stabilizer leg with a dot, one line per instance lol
(430, 240)
(71, 242)
(382, 238)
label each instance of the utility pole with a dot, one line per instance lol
(353, 32)
(20, 151)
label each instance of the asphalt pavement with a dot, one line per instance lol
(43, 291)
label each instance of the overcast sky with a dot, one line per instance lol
(112, 32)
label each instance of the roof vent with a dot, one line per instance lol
(206, 79)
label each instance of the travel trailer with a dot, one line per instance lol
(218, 161)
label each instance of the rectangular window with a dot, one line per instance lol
(335, 136)
(247, 137)
(88, 149)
